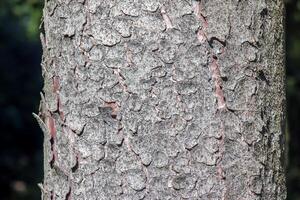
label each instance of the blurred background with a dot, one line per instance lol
(21, 81)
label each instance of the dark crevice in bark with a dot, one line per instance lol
(213, 40)
(52, 194)
(261, 76)
(68, 195)
(75, 167)
(264, 13)
(52, 143)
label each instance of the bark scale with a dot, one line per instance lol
(163, 99)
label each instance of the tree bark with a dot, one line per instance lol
(163, 99)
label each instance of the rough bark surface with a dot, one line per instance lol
(161, 99)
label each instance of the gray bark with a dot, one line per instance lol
(163, 99)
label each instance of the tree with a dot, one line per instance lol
(163, 99)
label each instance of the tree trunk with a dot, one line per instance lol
(163, 99)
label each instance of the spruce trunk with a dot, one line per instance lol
(161, 99)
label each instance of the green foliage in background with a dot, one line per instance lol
(293, 96)
(20, 83)
(27, 12)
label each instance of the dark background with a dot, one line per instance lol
(21, 81)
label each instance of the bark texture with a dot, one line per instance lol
(161, 99)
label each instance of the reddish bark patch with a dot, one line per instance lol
(51, 126)
(56, 85)
(115, 108)
(201, 36)
(198, 12)
(216, 75)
